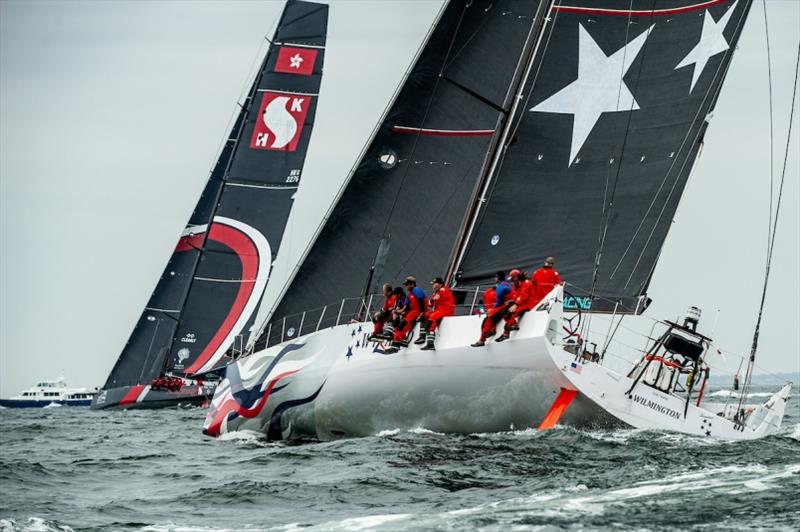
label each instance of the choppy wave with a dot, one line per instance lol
(74, 469)
(33, 524)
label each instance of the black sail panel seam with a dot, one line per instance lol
(475, 95)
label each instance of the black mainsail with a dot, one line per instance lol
(209, 292)
(405, 204)
(613, 121)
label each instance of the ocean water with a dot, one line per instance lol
(74, 469)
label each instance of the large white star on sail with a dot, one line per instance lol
(599, 88)
(712, 42)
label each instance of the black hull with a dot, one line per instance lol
(144, 397)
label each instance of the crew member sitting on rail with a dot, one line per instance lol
(524, 300)
(416, 305)
(441, 305)
(545, 279)
(503, 299)
(489, 299)
(384, 314)
(396, 316)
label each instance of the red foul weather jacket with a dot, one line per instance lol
(489, 298)
(526, 295)
(443, 302)
(545, 279)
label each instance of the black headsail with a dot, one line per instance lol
(613, 121)
(214, 281)
(409, 193)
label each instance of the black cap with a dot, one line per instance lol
(438, 280)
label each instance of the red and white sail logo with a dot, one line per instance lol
(280, 121)
(296, 60)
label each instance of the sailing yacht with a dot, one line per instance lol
(523, 129)
(210, 291)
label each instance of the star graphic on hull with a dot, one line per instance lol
(599, 88)
(295, 60)
(712, 42)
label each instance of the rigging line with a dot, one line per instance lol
(605, 215)
(754, 346)
(251, 73)
(551, 30)
(700, 131)
(469, 39)
(678, 151)
(424, 118)
(771, 127)
(433, 221)
(624, 142)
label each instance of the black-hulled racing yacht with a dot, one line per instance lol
(208, 295)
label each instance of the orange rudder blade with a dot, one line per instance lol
(558, 408)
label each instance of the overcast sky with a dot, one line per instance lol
(111, 115)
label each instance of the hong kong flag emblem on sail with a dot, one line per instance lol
(296, 60)
(280, 121)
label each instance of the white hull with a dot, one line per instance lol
(645, 407)
(346, 386)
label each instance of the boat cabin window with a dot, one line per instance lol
(684, 346)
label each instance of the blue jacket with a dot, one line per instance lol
(502, 293)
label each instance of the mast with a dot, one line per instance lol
(496, 153)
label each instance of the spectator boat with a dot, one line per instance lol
(47, 393)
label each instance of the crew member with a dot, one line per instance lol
(524, 300)
(489, 299)
(384, 314)
(442, 304)
(503, 298)
(545, 279)
(415, 307)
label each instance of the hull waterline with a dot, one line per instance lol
(143, 397)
